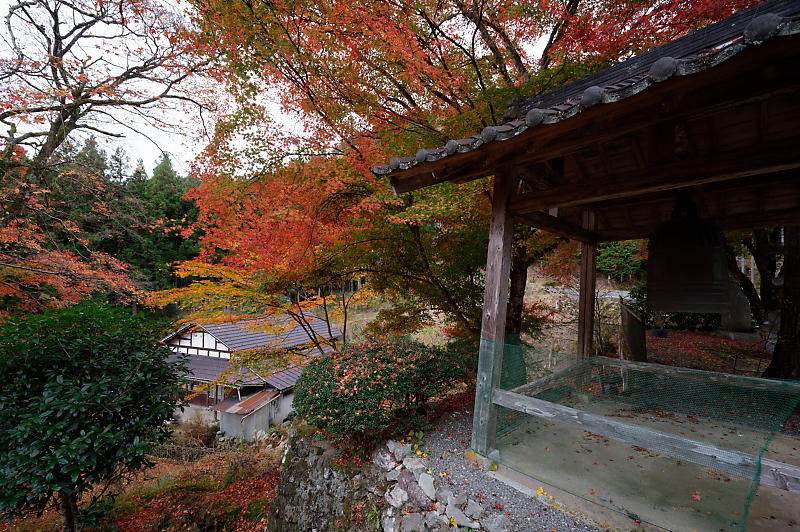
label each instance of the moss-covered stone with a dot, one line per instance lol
(314, 492)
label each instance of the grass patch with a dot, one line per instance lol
(258, 509)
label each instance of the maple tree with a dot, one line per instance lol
(68, 68)
(372, 80)
(142, 220)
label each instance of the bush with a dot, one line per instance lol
(87, 392)
(196, 433)
(463, 352)
(367, 390)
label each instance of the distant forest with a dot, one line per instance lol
(146, 222)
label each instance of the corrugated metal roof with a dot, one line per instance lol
(233, 405)
(696, 52)
(275, 332)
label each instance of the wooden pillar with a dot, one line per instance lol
(493, 323)
(587, 287)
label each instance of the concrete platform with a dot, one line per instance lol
(623, 487)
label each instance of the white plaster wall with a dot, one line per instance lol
(230, 424)
(282, 409)
(258, 420)
(199, 414)
(197, 339)
(244, 427)
(198, 343)
(209, 341)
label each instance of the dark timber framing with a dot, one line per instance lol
(587, 288)
(495, 305)
(713, 115)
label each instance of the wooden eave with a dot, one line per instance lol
(726, 134)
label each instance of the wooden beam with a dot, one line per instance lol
(553, 171)
(780, 475)
(708, 168)
(557, 226)
(545, 383)
(448, 170)
(718, 90)
(587, 287)
(726, 223)
(769, 201)
(741, 381)
(733, 462)
(493, 323)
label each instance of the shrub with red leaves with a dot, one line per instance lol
(365, 390)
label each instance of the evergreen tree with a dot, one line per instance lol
(91, 159)
(140, 219)
(138, 180)
(165, 216)
(118, 165)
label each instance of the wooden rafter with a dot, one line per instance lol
(709, 168)
(558, 226)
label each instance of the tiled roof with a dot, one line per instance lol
(208, 369)
(233, 405)
(285, 379)
(696, 52)
(278, 332)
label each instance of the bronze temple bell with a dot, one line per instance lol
(686, 267)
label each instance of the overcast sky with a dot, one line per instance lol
(147, 142)
(150, 142)
(141, 139)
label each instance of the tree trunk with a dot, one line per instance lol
(764, 248)
(521, 260)
(516, 294)
(747, 286)
(513, 370)
(69, 512)
(786, 359)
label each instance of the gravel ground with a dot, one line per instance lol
(446, 444)
(792, 425)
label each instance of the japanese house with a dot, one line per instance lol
(246, 401)
(709, 119)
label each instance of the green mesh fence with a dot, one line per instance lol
(678, 448)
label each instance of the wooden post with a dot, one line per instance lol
(587, 287)
(493, 323)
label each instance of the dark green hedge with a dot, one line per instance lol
(367, 390)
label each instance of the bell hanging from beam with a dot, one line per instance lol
(686, 266)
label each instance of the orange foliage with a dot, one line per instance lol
(371, 80)
(69, 66)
